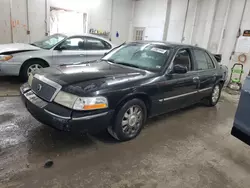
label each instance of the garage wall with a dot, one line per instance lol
(36, 20)
(5, 27)
(151, 15)
(121, 20)
(212, 24)
(100, 15)
(177, 20)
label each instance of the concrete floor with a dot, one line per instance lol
(9, 86)
(190, 148)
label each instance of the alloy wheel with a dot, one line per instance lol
(32, 68)
(132, 120)
(216, 93)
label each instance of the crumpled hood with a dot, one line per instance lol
(16, 47)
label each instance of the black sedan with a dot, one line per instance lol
(131, 83)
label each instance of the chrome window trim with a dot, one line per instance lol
(57, 86)
(53, 114)
(90, 117)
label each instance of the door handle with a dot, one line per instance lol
(81, 55)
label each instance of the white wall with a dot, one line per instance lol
(151, 15)
(5, 27)
(206, 24)
(121, 20)
(177, 20)
(99, 17)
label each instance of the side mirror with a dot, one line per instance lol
(180, 69)
(105, 53)
(61, 48)
(218, 57)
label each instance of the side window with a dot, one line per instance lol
(203, 60)
(75, 43)
(210, 63)
(183, 58)
(96, 44)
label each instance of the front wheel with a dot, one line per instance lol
(29, 67)
(214, 97)
(129, 120)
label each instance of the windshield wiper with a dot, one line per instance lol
(129, 65)
(120, 63)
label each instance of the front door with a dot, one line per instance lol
(69, 51)
(180, 89)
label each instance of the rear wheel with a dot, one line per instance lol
(31, 66)
(129, 120)
(214, 97)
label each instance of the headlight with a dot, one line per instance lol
(65, 99)
(90, 103)
(5, 57)
(81, 103)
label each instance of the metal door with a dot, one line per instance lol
(95, 48)
(180, 90)
(241, 125)
(69, 51)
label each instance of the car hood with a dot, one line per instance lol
(17, 47)
(80, 78)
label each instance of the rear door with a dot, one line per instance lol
(95, 48)
(69, 51)
(180, 90)
(241, 125)
(206, 70)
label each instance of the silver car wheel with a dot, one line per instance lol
(216, 93)
(33, 68)
(132, 120)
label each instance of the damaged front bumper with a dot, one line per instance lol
(62, 118)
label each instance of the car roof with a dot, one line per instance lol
(83, 35)
(170, 44)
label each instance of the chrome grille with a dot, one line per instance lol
(44, 88)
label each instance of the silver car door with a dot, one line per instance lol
(95, 48)
(69, 51)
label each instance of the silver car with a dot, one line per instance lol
(20, 59)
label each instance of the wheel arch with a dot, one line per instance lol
(142, 96)
(32, 59)
(221, 82)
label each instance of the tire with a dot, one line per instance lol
(214, 97)
(28, 65)
(129, 120)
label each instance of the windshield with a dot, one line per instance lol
(144, 56)
(49, 41)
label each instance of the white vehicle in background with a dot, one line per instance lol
(19, 59)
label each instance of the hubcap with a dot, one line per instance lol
(33, 68)
(132, 120)
(216, 93)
